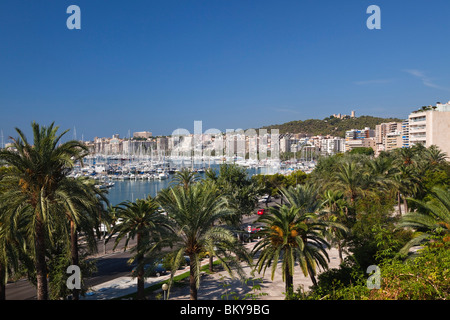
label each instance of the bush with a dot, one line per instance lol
(425, 276)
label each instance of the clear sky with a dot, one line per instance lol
(160, 65)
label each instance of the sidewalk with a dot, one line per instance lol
(212, 286)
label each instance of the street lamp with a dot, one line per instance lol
(165, 287)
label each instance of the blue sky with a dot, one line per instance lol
(160, 65)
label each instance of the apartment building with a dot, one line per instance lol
(330, 146)
(405, 133)
(387, 131)
(393, 140)
(364, 138)
(431, 126)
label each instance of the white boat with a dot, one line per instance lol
(163, 176)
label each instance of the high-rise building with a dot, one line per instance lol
(360, 138)
(381, 133)
(405, 133)
(431, 126)
(393, 140)
(330, 146)
(162, 144)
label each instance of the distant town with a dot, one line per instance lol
(427, 126)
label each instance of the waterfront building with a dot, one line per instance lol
(162, 144)
(332, 145)
(285, 143)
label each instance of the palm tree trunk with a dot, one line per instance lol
(140, 282)
(192, 282)
(399, 203)
(140, 272)
(40, 264)
(2, 281)
(289, 283)
(405, 204)
(211, 266)
(74, 253)
(340, 250)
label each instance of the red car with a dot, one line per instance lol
(261, 211)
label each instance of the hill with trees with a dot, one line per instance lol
(330, 125)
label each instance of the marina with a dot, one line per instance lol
(128, 179)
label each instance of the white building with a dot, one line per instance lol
(431, 126)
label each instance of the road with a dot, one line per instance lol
(110, 266)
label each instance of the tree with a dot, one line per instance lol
(185, 177)
(12, 245)
(362, 150)
(434, 156)
(82, 202)
(38, 171)
(432, 218)
(336, 211)
(291, 236)
(349, 180)
(194, 210)
(240, 191)
(143, 220)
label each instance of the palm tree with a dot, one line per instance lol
(291, 236)
(304, 197)
(349, 179)
(406, 182)
(433, 218)
(336, 211)
(184, 177)
(143, 220)
(81, 201)
(194, 210)
(38, 171)
(434, 156)
(12, 243)
(405, 156)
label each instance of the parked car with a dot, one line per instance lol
(251, 232)
(265, 199)
(153, 270)
(261, 212)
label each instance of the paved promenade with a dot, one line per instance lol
(212, 286)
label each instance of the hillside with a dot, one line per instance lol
(331, 125)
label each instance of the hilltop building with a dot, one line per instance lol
(344, 116)
(142, 134)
